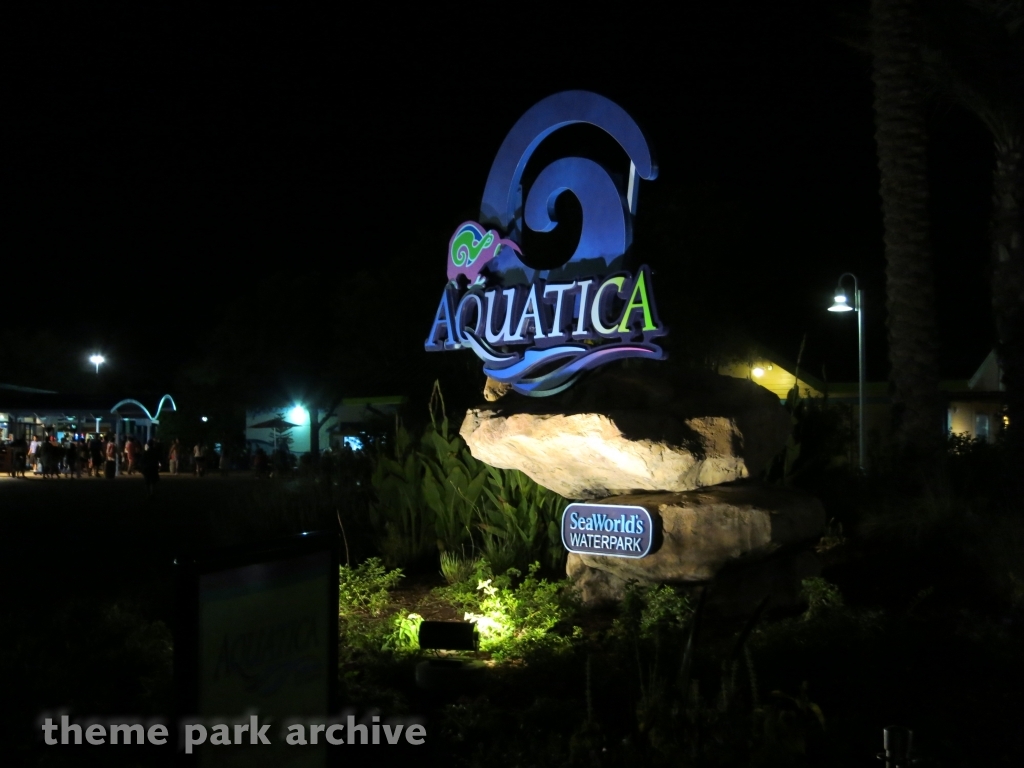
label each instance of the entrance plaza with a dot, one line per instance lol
(53, 434)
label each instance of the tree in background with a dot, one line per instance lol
(901, 138)
(975, 57)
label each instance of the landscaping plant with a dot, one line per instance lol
(516, 615)
(434, 494)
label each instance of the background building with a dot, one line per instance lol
(289, 426)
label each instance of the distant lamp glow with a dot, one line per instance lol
(841, 304)
(97, 360)
(204, 419)
(758, 372)
(298, 415)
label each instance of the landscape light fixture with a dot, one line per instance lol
(842, 304)
(758, 372)
(445, 673)
(97, 360)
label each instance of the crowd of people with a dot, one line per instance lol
(99, 456)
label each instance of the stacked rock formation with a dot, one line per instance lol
(684, 446)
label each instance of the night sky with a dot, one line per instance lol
(161, 166)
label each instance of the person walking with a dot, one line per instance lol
(199, 455)
(110, 465)
(172, 456)
(131, 452)
(33, 455)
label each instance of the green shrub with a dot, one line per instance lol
(364, 589)
(515, 620)
(452, 479)
(821, 596)
(434, 493)
(403, 521)
(649, 610)
(405, 633)
(521, 521)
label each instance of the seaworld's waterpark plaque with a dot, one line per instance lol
(612, 530)
(539, 330)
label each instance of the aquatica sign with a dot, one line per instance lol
(613, 530)
(539, 330)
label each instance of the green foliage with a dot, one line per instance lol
(363, 599)
(679, 721)
(452, 481)
(364, 589)
(821, 596)
(516, 619)
(665, 609)
(456, 567)
(435, 493)
(823, 438)
(404, 522)
(405, 633)
(522, 518)
(650, 610)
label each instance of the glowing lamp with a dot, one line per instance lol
(97, 360)
(298, 415)
(841, 304)
(758, 372)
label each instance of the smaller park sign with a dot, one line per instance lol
(609, 530)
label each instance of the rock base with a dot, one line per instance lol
(748, 540)
(622, 432)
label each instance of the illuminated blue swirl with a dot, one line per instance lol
(606, 210)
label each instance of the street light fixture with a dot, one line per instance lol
(97, 360)
(842, 304)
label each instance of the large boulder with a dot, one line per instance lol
(625, 431)
(706, 534)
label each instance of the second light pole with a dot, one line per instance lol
(842, 304)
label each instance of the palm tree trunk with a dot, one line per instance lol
(1008, 276)
(900, 134)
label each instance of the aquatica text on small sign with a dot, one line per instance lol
(607, 529)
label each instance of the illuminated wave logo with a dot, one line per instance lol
(471, 248)
(587, 312)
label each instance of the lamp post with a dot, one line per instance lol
(97, 360)
(842, 304)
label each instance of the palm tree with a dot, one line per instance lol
(900, 135)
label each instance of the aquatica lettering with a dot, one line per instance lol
(540, 330)
(605, 529)
(544, 315)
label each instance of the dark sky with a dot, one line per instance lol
(160, 164)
